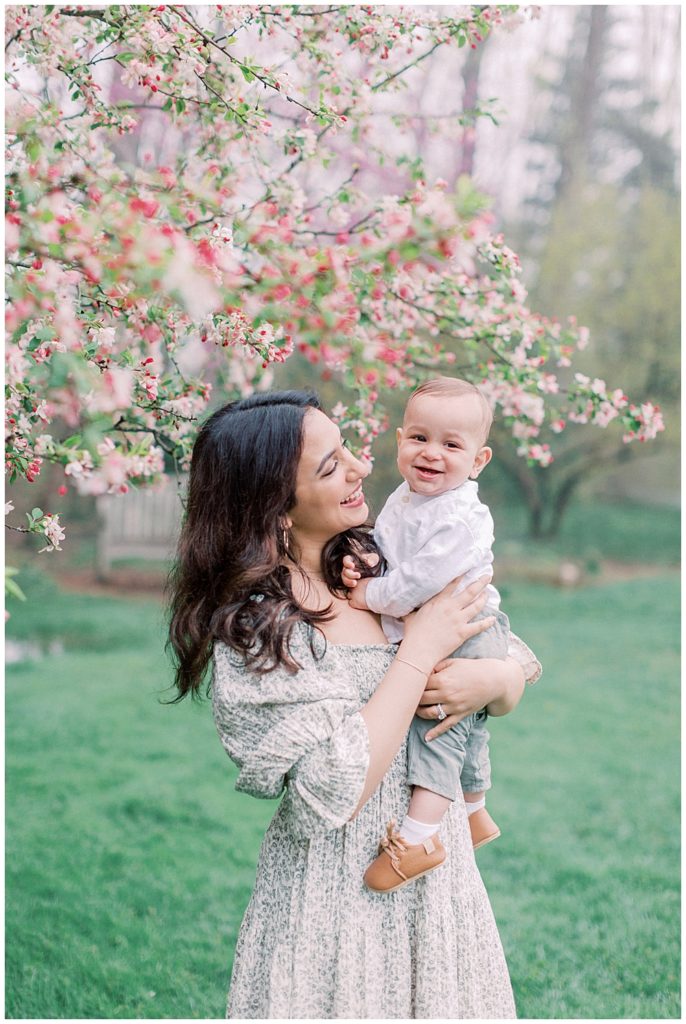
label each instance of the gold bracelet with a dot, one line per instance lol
(415, 667)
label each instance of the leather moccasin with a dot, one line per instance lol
(483, 828)
(398, 863)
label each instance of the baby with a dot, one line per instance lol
(432, 529)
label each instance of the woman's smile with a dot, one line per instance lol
(355, 499)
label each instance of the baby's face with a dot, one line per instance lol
(440, 444)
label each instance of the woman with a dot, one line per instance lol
(310, 700)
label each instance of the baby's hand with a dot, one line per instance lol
(357, 597)
(349, 574)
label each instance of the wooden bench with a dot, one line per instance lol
(142, 524)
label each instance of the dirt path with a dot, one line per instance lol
(143, 584)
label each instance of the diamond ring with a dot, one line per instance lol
(440, 712)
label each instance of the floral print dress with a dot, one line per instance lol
(315, 942)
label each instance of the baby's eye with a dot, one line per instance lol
(451, 444)
(418, 437)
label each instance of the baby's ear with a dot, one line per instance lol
(482, 459)
(398, 434)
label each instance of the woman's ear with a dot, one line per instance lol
(482, 459)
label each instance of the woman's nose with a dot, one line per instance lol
(359, 467)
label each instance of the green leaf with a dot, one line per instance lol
(126, 56)
(13, 589)
(247, 73)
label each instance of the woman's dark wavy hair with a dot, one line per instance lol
(233, 546)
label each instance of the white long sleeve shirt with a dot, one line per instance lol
(427, 542)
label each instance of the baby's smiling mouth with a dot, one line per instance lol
(429, 469)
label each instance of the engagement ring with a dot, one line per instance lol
(440, 712)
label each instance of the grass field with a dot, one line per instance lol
(130, 858)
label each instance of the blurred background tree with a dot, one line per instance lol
(599, 238)
(579, 154)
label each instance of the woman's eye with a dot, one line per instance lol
(332, 470)
(345, 443)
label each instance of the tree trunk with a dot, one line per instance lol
(584, 101)
(470, 99)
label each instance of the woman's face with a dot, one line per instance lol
(328, 490)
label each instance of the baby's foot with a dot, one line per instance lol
(483, 828)
(398, 863)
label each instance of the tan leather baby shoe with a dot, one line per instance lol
(483, 828)
(399, 863)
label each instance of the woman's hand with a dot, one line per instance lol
(444, 623)
(465, 685)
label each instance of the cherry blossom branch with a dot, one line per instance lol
(351, 177)
(165, 443)
(412, 64)
(243, 67)
(303, 14)
(85, 13)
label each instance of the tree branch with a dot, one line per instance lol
(91, 13)
(412, 64)
(244, 67)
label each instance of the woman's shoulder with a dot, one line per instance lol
(236, 676)
(305, 644)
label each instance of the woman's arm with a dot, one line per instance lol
(430, 631)
(465, 685)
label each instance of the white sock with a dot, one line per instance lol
(476, 806)
(414, 832)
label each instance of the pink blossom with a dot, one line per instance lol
(604, 414)
(54, 533)
(149, 383)
(80, 464)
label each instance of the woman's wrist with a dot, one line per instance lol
(414, 656)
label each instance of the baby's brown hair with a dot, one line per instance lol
(455, 387)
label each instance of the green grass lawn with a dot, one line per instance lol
(130, 858)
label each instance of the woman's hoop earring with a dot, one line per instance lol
(285, 539)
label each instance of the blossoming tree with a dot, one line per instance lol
(137, 286)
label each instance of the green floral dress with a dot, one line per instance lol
(315, 942)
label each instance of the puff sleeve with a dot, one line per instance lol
(299, 732)
(525, 657)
